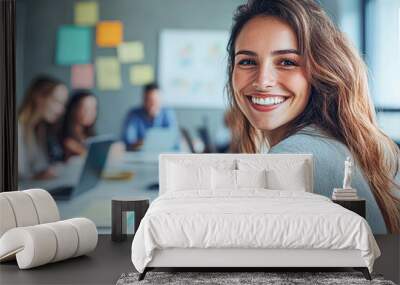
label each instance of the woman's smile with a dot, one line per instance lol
(266, 102)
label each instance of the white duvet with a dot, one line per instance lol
(251, 218)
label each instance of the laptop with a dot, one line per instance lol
(160, 140)
(90, 175)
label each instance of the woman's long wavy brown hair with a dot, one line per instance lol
(339, 103)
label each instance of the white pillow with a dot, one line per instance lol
(282, 174)
(293, 178)
(251, 179)
(223, 179)
(227, 179)
(188, 177)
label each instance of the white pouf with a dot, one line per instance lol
(31, 233)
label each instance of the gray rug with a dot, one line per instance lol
(228, 278)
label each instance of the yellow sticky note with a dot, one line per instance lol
(108, 71)
(141, 74)
(109, 33)
(130, 52)
(86, 13)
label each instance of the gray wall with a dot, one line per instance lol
(38, 20)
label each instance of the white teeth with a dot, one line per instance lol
(267, 101)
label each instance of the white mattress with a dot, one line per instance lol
(252, 218)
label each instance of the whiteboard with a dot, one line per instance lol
(192, 68)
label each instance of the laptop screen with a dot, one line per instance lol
(95, 161)
(160, 140)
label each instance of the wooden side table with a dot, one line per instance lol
(119, 207)
(357, 206)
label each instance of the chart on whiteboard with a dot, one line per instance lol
(192, 68)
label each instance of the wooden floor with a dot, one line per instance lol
(110, 260)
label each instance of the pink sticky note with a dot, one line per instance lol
(82, 76)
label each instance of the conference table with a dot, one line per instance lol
(95, 204)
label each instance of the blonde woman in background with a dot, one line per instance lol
(40, 110)
(298, 86)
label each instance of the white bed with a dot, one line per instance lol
(241, 210)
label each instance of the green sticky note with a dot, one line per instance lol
(141, 74)
(130, 52)
(86, 13)
(108, 71)
(74, 45)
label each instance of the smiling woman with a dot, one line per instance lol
(297, 85)
(269, 76)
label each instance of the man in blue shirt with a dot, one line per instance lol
(139, 120)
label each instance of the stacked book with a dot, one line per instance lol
(344, 194)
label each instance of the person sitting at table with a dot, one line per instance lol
(39, 113)
(150, 115)
(79, 121)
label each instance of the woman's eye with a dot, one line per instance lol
(246, 62)
(288, 62)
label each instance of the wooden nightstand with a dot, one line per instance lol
(357, 206)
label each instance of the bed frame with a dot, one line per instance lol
(246, 259)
